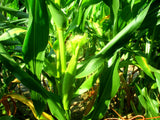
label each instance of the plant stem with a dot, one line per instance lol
(67, 115)
(61, 60)
(58, 63)
(62, 50)
(149, 45)
(58, 82)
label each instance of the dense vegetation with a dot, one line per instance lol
(62, 49)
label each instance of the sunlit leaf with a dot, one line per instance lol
(92, 66)
(151, 106)
(86, 3)
(115, 8)
(12, 33)
(50, 68)
(88, 83)
(157, 75)
(144, 65)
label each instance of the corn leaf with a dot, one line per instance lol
(115, 8)
(39, 102)
(14, 12)
(86, 3)
(157, 75)
(88, 83)
(144, 66)
(37, 35)
(109, 85)
(91, 67)
(81, 14)
(56, 109)
(50, 68)
(151, 106)
(12, 33)
(25, 78)
(35, 43)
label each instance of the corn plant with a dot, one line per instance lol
(75, 45)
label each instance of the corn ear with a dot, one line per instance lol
(77, 42)
(69, 80)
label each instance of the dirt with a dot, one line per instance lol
(78, 106)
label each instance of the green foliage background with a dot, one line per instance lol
(75, 44)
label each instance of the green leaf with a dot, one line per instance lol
(12, 33)
(55, 105)
(36, 65)
(2, 18)
(157, 75)
(155, 86)
(144, 66)
(24, 77)
(37, 35)
(88, 83)
(39, 102)
(115, 8)
(86, 14)
(14, 12)
(90, 67)
(86, 3)
(151, 106)
(55, 110)
(50, 68)
(74, 22)
(64, 3)
(142, 101)
(109, 85)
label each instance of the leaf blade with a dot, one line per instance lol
(144, 66)
(37, 35)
